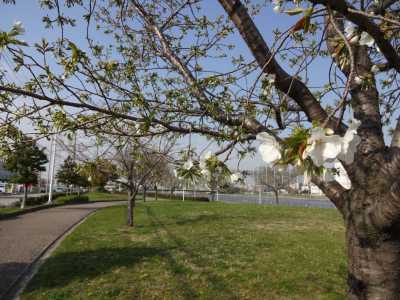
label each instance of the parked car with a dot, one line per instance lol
(60, 189)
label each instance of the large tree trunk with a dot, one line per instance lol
(373, 266)
(131, 207)
(373, 242)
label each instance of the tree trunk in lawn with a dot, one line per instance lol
(371, 208)
(156, 191)
(131, 207)
(373, 246)
(144, 193)
(276, 192)
(171, 193)
(373, 266)
(25, 198)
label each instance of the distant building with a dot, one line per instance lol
(5, 175)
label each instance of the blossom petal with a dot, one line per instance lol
(269, 153)
(366, 39)
(265, 137)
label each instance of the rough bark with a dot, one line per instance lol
(131, 207)
(373, 258)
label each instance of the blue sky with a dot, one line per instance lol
(29, 12)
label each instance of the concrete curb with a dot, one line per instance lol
(20, 283)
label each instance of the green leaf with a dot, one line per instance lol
(294, 11)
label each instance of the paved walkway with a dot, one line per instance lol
(23, 238)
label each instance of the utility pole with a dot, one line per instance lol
(51, 167)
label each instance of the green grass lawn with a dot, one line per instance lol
(98, 196)
(194, 250)
(8, 210)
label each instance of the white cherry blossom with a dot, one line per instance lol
(277, 6)
(366, 39)
(188, 165)
(322, 148)
(19, 27)
(350, 142)
(375, 69)
(203, 160)
(205, 172)
(358, 80)
(269, 149)
(354, 40)
(235, 177)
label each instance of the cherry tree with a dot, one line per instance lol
(147, 68)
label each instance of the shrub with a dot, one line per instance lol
(72, 199)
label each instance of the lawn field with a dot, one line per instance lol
(198, 250)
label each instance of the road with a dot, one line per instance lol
(25, 237)
(268, 200)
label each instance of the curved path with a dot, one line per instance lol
(24, 238)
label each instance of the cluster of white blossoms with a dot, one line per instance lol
(188, 164)
(19, 27)
(235, 177)
(278, 5)
(203, 164)
(322, 146)
(365, 39)
(270, 149)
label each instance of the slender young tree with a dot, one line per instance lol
(69, 174)
(26, 160)
(137, 161)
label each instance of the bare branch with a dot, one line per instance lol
(333, 190)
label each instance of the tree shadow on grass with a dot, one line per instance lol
(9, 272)
(216, 282)
(63, 268)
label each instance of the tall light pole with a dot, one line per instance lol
(51, 167)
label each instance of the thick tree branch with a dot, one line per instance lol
(286, 83)
(364, 96)
(333, 190)
(367, 25)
